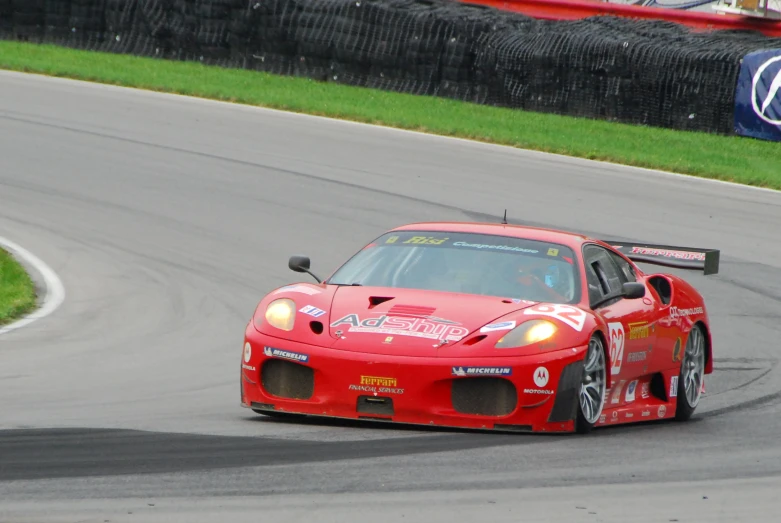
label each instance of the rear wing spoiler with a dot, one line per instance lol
(706, 260)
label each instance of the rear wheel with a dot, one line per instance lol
(691, 375)
(591, 399)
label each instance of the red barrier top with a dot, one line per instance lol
(576, 9)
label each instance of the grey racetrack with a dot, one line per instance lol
(167, 218)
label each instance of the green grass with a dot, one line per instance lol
(17, 292)
(741, 160)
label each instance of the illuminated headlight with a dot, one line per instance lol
(281, 314)
(532, 331)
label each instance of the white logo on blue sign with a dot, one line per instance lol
(762, 78)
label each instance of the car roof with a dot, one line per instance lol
(570, 239)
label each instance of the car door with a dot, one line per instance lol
(630, 322)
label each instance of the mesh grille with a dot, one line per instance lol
(484, 396)
(286, 379)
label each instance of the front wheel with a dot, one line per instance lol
(691, 375)
(591, 399)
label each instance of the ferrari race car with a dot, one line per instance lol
(485, 326)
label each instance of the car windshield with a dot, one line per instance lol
(469, 263)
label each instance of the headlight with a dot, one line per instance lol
(532, 331)
(281, 314)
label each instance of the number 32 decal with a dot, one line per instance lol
(572, 316)
(616, 331)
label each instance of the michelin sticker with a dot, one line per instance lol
(481, 371)
(271, 352)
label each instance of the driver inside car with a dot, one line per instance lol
(508, 274)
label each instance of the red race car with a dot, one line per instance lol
(485, 326)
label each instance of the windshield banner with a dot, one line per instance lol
(475, 242)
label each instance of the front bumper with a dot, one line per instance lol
(507, 393)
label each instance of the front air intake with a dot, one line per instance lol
(565, 407)
(285, 379)
(484, 396)
(375, 405)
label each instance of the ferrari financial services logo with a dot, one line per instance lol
(768, 74)
(377, 380)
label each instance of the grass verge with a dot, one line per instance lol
(741, 160)
(17, 291)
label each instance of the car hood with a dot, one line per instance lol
(408, 322)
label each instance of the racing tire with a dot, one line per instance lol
(593, 386)
(691, 375)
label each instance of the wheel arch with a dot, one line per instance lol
(708, 346)
(606, 349)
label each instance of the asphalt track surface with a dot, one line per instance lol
(167, 219)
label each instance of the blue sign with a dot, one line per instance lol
(758, 96)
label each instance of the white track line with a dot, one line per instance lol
(55, 291)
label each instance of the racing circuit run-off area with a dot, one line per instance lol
(245, 314)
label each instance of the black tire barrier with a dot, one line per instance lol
(644, 72)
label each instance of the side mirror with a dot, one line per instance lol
(633, 290)
(301, 264)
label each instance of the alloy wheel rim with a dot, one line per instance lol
(693, 367)
(592, 387)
